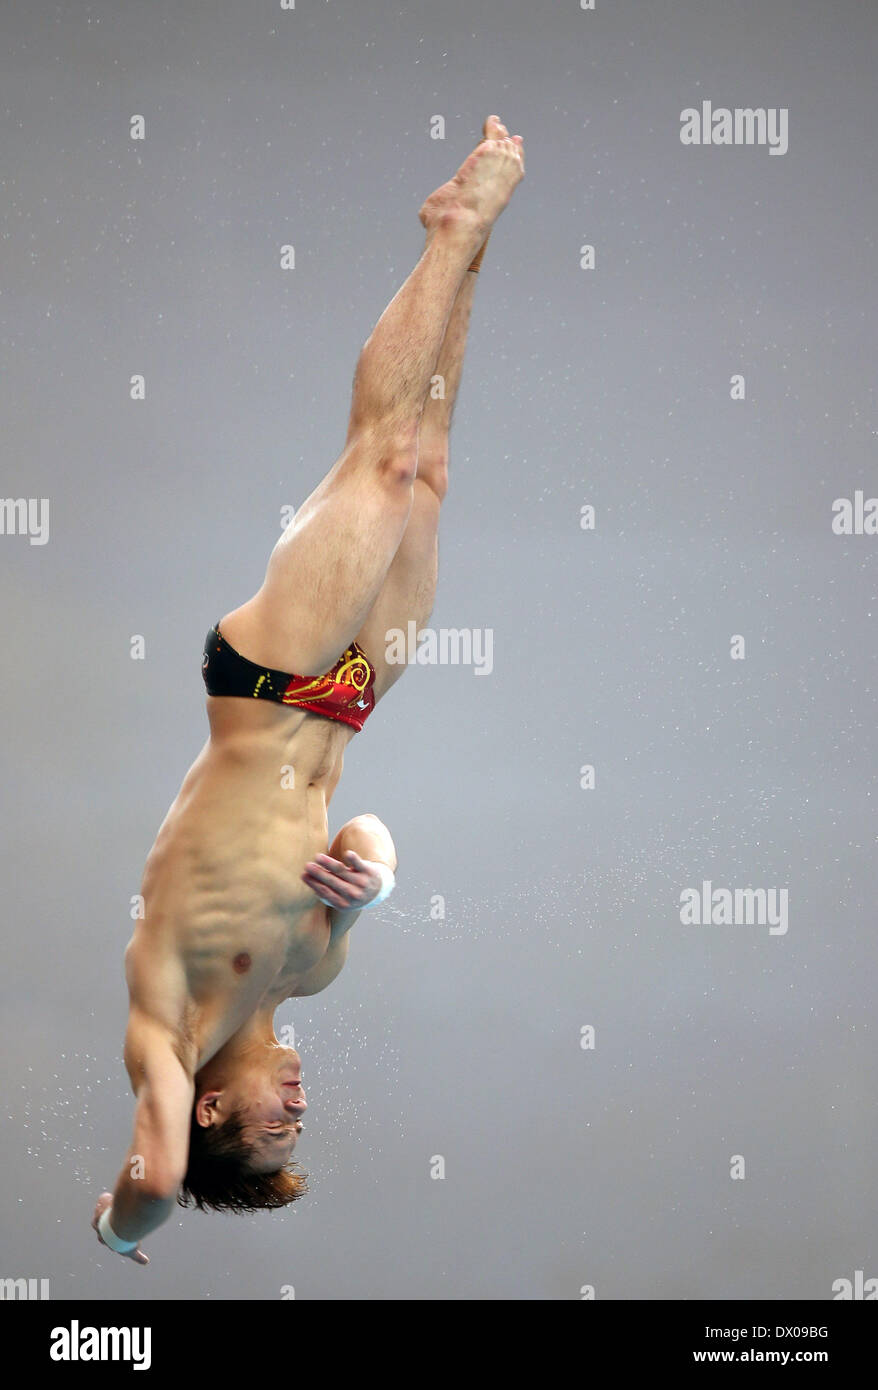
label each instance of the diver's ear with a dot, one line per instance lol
(206, 1109)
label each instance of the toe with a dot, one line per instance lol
(494, 129)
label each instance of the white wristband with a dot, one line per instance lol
(388, 883)
(109, 1237)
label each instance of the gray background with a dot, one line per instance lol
(461, 1037)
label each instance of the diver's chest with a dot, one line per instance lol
(259, 951)
(291, 944)
(304, 946)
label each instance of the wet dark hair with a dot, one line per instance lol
(218, 1177)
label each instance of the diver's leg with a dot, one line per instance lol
(410, 587)
(329, 566)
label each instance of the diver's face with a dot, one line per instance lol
(272, 1103)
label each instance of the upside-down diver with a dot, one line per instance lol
(245, 901)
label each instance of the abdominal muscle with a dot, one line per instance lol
(227, 919)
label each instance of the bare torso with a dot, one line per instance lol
(228, 923)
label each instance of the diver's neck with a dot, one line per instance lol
(253, 1038)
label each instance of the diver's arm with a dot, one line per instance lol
(146, 1189)
(347, 888)
(356, 874)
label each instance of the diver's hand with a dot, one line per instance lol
(106, 1200)
(348, 887)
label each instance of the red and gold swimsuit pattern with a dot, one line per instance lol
(345, 693)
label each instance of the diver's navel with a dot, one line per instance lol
(241, 964)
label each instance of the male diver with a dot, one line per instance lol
(243, 905)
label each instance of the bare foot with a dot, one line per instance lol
(482, 186)
(493, 129)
